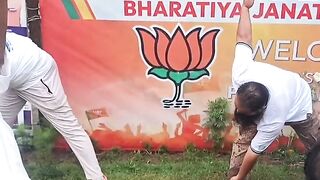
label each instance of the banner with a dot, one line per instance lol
(150, 67)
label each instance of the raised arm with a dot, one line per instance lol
(3, 28)
(244, 32)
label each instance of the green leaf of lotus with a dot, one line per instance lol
(161, 73)
(194, 75)
(178, 77)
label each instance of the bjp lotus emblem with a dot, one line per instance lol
(178, 57)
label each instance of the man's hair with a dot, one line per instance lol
(312, 163)
(254, 97)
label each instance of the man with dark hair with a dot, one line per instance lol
(254, 96)
(267, 98)
(312, 164)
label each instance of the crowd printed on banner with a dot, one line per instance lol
(287, 50)
(286, 11)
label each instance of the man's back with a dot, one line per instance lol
(287, 89)
(26, 61)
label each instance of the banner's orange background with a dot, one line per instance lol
(105, 78)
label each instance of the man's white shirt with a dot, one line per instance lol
(24, 63)
(290, 95)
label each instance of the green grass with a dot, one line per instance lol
(196, 165)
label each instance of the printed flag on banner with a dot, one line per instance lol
(97, 118)
(96, 113)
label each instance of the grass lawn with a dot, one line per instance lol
(191, 165)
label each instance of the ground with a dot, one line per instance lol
(191, 165)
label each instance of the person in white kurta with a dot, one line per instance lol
(267, 99)
(31, 74)
(11, 166)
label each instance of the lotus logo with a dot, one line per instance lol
(179, 57)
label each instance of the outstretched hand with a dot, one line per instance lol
(248, 3)
(234, 178)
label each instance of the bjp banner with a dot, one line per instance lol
(140, 72)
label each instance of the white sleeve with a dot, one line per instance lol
(11, 163)
(269, 128)
(4, 83)
(263, 139)
(243, 57)
(4, 76)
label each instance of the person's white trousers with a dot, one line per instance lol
(11, 166)
(48, 96)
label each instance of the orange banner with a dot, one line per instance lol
(154, 73)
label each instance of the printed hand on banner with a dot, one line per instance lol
(248, 3)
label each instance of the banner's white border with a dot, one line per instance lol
(123, 10)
